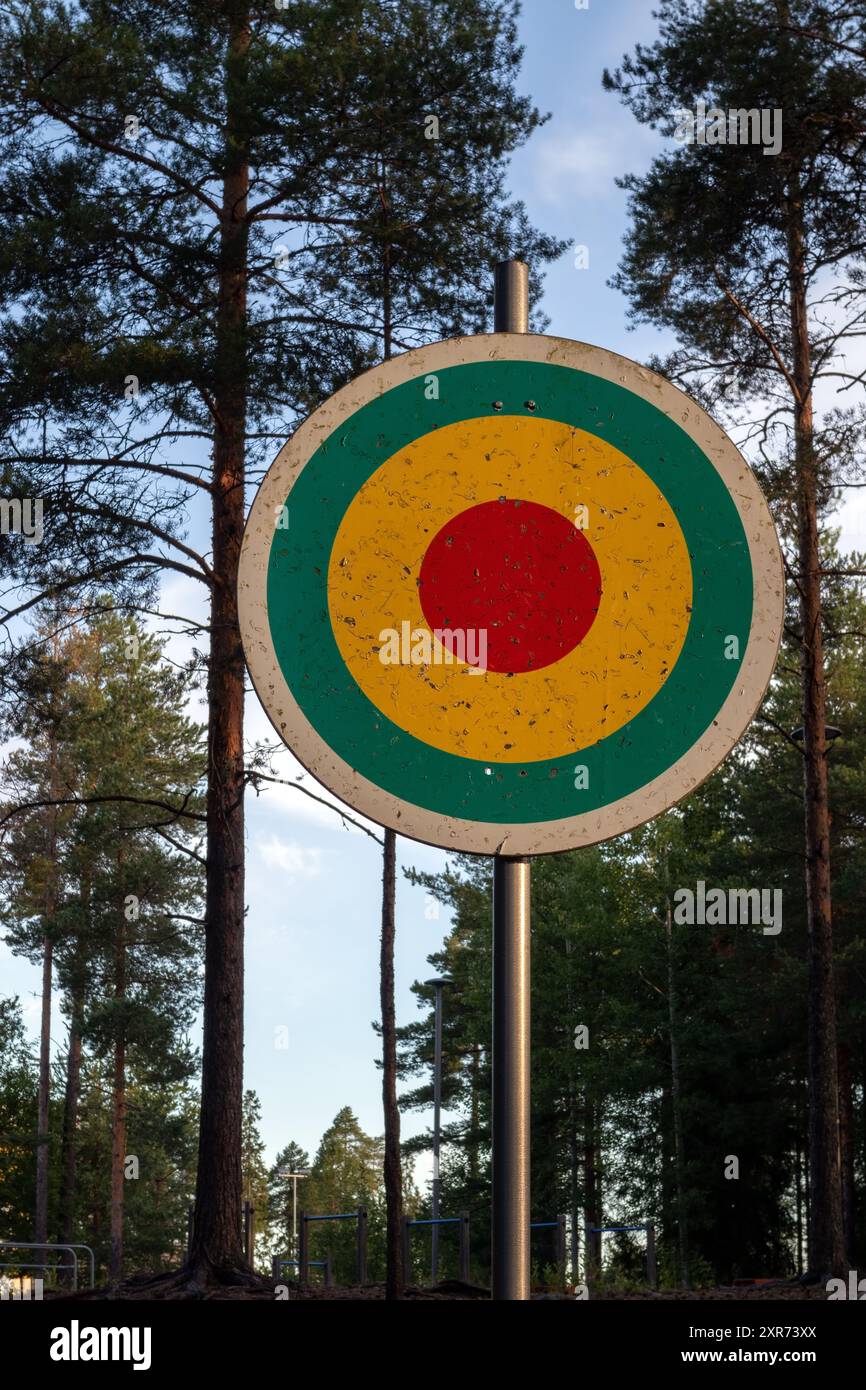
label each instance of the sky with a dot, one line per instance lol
(314, 887)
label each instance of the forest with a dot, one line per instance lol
(215, 215)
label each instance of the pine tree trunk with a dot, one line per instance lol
(591, 1194)
(44, 1089)
(217, 1243)
(40, 1229)
(847, 1150)
(395, 1275)
(69, 1139)
(393, 1171)
(474, 1111)
(574, 1184)
(826, 1246)
(118, 1111)
(676, 1105)
(69, 1143)
(798, 1187)
(118, 1159)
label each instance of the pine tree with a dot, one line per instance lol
(162, 294)
(742, 254)
(255, 1173)
(127, 878)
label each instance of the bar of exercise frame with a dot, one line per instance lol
(434, 1223)
(651, 1271)
(279, 1261)
(559, 1226)
(70, 1246)
(304, 1218)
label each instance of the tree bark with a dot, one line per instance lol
(118, 1159)
(592, 1192)
(574, 1184)
(69, 1138)
(69, 1142)
(847, 1151)
(676, 1105)
(395, 1275)
(474, 1111)
(826, 1245)
(393, 1173)
(217, 1243)
(44, 1088)
(118, 1115)
(40, 1228)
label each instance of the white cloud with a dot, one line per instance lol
(567, 165)
(292, 858)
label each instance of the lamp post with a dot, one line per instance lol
(437, 985)
(831, 733)
(284, 1173)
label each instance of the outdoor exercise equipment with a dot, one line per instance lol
(593, 1248)
(304, 1221)
(461, 1221)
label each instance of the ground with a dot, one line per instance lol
(453, 1290)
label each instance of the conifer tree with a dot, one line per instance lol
(169, 168)
(754, 256)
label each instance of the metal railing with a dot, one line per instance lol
(435, 1222)
(70, 1247)
(304, 1219)
(593, 1255)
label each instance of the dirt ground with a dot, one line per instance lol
(452, 1291)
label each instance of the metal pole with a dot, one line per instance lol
(407, 1250)
(511, 1003)
(294, 1216)
(511, 297)
(304, 1254)
(362, 1245)
(249, 1237)
(651, 1271)
(437, 1109)
(511, 1078)
(464, 1246)
(560, 1250)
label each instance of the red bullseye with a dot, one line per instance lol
(518, 571)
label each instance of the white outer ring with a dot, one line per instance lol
(486, 837)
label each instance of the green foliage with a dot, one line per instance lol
(281, 1196)
(255, 1176)
(17, 1121)
(101, 858)
(603, 1115)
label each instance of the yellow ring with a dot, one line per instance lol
(606, 680)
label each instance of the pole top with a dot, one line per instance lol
(511, 297)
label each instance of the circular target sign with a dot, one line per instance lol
(510, 594)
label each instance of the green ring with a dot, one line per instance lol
(448, 783)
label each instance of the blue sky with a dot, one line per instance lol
(313, 886)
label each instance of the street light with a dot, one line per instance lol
(437, 985)
(284, 1173)
(831, 733)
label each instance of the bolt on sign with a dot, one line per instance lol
(510, 594)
